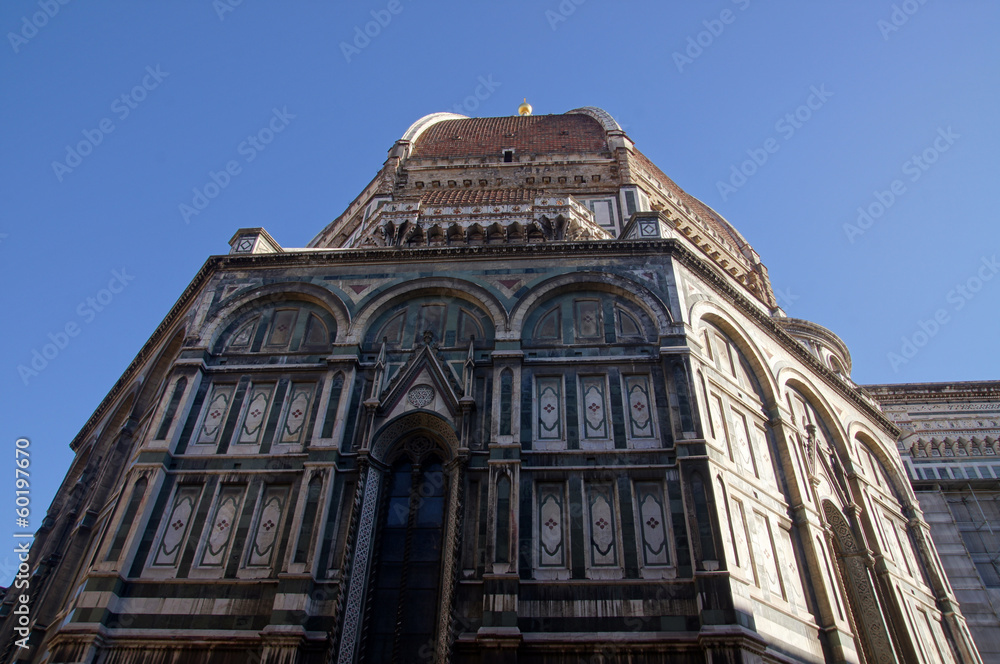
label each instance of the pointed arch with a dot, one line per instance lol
(412, 422)
(411, 453)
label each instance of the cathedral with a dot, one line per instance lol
(524, 400)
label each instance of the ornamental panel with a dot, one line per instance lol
(587, 316)
(764, 543)
(281, 328)
(241, 340)
(551, 525)
(793, 579)
(296, 412)
(223, 523)
(593, 392)
(717, 418)
(603, 531)
(255, 413)
(639, 407)
(270, 510)
(215, 414)
(548, 392)
(176, 526)
(741, 432)
(652, 523)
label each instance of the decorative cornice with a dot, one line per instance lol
(601, 248)
(908, 393)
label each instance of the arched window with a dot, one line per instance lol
(405, 586)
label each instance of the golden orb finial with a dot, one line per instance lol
(524, 108)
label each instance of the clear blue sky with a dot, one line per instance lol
(888, 93)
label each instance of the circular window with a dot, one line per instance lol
(420, 396)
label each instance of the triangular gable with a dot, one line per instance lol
(423, 365)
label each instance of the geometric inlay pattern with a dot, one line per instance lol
(601, 513)
(549, 394)
(595, 411)
(551, 536)
(220, 534)
(652, 523)
(176, 526)
(640, 411)
(254, 413)
(360, 568)
(296, 412)
(268, 522)
(215, 414)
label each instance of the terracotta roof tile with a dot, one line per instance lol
(533, 134)
(481, 196)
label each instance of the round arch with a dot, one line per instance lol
(413, 422)
(707, 312)
(459, 288)
(273, 293)
(864, 436)
(611, 283)
(789, 377)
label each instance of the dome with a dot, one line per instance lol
(582, 159)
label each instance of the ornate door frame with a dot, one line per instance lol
(373, 474)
